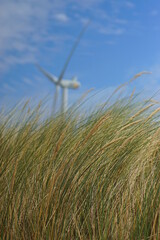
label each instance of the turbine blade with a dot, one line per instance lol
(72, 51)
(53, 79)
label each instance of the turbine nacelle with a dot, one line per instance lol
(72, 84)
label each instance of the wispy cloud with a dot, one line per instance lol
(10, 60)
(61, 17)
(129, 4)
(8, 87)
(20, 24)
(120, 21)
(110, 42)
(28, 81)
(26, 25)
(111, 30)
(154, 12)
(86, 4)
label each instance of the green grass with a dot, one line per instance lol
(77, 177)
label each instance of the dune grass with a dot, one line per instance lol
(74, 177)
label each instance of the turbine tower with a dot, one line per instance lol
(64, 84)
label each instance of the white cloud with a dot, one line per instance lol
(20, 25)
(10, 60)
(61, 17)
(120, 21)
(129, 4)
(84, 20)
(86, 4)
(28, 81)
(111, 30)
(26, 25)
(110, 42)
(8, 87)
(154, 13)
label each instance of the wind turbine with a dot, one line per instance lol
(64, 84)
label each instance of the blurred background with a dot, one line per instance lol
(122, 39)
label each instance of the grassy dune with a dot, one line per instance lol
(74, 177)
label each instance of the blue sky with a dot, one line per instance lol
(122, 39)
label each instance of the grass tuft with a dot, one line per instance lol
(76, 177)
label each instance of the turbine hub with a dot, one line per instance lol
(76, 85)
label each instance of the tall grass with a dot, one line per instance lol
(74, 177)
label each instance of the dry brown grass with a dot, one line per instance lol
(72, 178)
